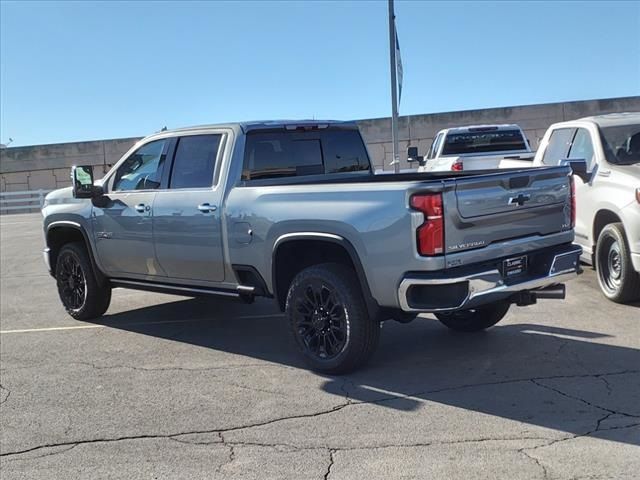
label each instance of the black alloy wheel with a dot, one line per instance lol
(72, 281)
(83, 296)
(321, 320)
(329, 320)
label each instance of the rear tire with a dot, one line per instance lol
(81, 295)
(329, 320)
(475, 319)
(405, 317)
(618, 281)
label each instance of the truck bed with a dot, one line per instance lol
(366, 177)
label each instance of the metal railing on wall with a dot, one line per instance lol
(22, 202)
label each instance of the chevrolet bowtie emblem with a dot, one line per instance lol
(519, 200)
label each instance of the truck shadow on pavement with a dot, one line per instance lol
(566, 380)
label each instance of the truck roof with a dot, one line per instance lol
(613, 119)
(273, 124)
(481, 128)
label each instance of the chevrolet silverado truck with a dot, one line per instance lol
(607, 194)
(477, 147)
(293, 211)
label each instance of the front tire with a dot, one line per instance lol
(81, 295)
(329, 320)
(618, 280)
(474, 319)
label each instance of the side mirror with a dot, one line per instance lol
(82, 178)
(412, 155)
(579, 167)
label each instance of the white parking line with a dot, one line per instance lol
(51, 329)
(81, 327)
(120, 325)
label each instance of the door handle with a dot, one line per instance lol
(206, 208)
(141, 208)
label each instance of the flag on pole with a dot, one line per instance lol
(398, 63)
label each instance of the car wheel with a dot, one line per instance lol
(474, 319)
(83, 298)
(329, 320)
(618, 280)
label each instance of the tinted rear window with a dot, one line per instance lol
(344, 151)
(482, 142)
(621, 144)
(294, 153)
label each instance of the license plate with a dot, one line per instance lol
(514, 266)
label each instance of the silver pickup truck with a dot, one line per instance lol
(292, 211)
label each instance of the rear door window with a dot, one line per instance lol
(195, 161)
(558, 146)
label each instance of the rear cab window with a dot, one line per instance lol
(281, 153)
(483, 141)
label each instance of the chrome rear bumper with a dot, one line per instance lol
(441, 294)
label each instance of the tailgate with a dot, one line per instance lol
(499, 207)
(480, 162)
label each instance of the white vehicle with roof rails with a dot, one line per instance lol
(604, 152)
(477, 147)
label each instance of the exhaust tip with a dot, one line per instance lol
(554, 292)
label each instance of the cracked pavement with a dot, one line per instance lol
(169, 387)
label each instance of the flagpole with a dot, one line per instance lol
(394, 87)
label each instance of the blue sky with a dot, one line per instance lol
(82, 70)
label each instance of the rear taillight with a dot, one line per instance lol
(457, 166)
(573, 202)
(430, 235)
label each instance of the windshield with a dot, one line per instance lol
(621, 144)
(483, 142)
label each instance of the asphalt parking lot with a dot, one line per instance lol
(171, 387)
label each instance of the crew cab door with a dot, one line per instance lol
(122, 223)
(187, 215)
(582, 147)
(575, 143)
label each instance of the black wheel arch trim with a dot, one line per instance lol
(372, 305)
(101, 278)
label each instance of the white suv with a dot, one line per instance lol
(608, 195)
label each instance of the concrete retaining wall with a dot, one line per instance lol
(47, 166)
(419, 130)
